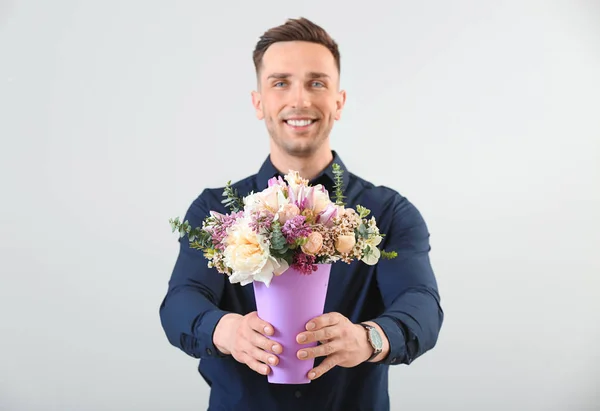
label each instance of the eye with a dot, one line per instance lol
(279, 83)
(318, 84)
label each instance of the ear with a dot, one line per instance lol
(340, 102)
(257, 103)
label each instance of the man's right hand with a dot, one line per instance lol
(245, 338)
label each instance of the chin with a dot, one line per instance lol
(302, 149)
(298, 144)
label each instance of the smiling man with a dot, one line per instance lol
(375, 316)
(299, 100)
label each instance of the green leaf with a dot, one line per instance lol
(232, 200)
(339, 184)
(278, 241)
(282, 251)
(388, 255)
(362, 211)
(363, 231)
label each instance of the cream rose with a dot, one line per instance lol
(247, 254)
(313, 244)
(345, 243)
(271, 199)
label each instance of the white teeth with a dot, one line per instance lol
(299, 123)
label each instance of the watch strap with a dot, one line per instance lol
(376, 351)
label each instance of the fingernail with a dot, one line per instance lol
(310, 326)
(302, 338)
(268, 330)
(311, 375)
(275, 348)
(303, 354)
(264, 369)
(272, 360)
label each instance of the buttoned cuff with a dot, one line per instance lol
(205, 348)
(397, 341)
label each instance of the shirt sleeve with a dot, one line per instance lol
(190, 310)
(413, 316)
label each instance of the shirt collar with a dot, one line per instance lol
(325, 177)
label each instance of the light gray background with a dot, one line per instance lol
(114, 115)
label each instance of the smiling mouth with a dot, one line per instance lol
(300, 123)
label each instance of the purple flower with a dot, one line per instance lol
(261, 221)
(302, 197)
(304, 263)
(326, 216)
(295, 228)
(219, 230)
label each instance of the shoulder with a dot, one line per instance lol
(385, 202)
(210, 199)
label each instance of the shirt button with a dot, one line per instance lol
(209, 351)
(298, 394)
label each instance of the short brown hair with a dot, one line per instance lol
(300, 29)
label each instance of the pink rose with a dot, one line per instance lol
(288, 212)
(345, 243)
(313, 244)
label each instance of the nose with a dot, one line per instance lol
(300, 98)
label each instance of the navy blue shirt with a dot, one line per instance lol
(400, 295)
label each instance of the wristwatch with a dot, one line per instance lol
(374, 339)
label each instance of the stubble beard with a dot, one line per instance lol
(304, 148)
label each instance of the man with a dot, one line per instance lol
(203, 314)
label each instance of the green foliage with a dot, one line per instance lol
(233, 201)
(278, 241)
(339, 185)
(363, 231)
(199, 239)
(279, 246)
(288, 255)
(363, 212)
(299, 242)
(388, 255)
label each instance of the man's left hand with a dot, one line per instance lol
(342, 342)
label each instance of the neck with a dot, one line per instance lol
(308, 167)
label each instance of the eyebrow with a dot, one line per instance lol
(312, 75)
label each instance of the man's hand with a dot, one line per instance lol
(343, 342)
(245, 338)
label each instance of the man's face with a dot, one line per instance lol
(298, 96)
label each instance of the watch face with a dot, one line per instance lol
(376, 339)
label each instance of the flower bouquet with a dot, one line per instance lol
(283, 240)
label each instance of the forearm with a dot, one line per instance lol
(190, 310)
(411, 325)
(189, 318)
(412, 317)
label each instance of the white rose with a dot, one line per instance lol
(247, 254)
(271, 199)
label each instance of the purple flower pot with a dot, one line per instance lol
(291, 300)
